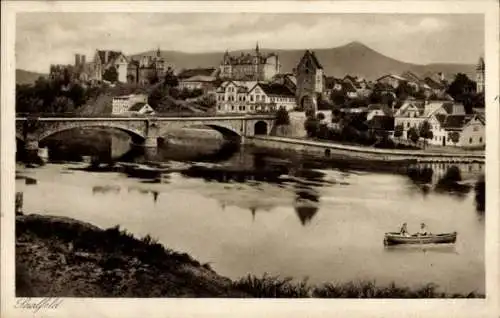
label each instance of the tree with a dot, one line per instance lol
(398, 131)
(454, 136)
(156, 96)
(425, 131)
(62, 104)
(413, 135)
(461, 85)
(338, 97)
(170, 79)
(311, 126)
(404, 90)
(110, 74)
(282, 117)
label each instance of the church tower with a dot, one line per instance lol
(480, 76)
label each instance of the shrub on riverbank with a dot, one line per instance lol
(276, 287)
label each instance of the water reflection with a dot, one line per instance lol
(454, 179)
(155, 194)
(431, 248)
(106, 189)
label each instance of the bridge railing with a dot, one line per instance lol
(162, 115)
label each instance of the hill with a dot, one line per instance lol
(27, 77)
(354, 58)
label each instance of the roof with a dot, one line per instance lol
(196, 72)
(433, 83)
(199, 78)
(431, 107)
(313, 58)
(393, 76)
(348, 86)
(454, 122)
(410, 76)
(441, 118)
(382, 123)
(386, 109)
(331, 81)
(276, 90)
(137, 107)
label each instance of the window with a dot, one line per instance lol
(480, 139)
(232, 107)
(251, 98)
(408, 124)
(476, 128)
(470, 140)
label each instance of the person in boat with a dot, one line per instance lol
(423, 230)
(404, 230)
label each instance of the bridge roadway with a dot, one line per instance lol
(143, 130)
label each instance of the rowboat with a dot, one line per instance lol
(392, 238)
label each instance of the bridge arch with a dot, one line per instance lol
(136, 135)
(260, 128)
(229, 133)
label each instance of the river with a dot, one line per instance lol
(323, 223)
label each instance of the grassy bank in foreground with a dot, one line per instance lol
(58, 256)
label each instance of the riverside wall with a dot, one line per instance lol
(328, 149)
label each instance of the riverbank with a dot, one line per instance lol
(323, 149)
(57, 256)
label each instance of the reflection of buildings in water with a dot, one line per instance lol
(439, 170)
(154, 193)
(306, 203)
(306, 213)
(106, 189)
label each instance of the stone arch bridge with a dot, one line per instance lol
(143, 130)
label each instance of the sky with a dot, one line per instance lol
(46, 38)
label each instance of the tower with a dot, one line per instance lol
(158, 52)
(257, 49)
(480, 76)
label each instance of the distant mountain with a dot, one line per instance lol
(27, 77)
(354, 58)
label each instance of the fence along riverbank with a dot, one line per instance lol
(327, 149)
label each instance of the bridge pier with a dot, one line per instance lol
(150, 142)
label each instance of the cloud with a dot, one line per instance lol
(44, 38)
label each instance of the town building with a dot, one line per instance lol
(287, 79)
(140, 108)
(77, 73)
(480, 76)
(122, 104)
(146, 69)
(470, 130)
(257, 66)
(378, 110)
(310, 81)
(204, 79)
(253, 96)
(391, 80)
(413, 113)
(105, 61)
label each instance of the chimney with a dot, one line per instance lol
(106, 56)
(77, 60)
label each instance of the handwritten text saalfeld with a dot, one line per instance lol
(38, 304)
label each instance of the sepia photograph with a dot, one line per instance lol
(244, 154)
